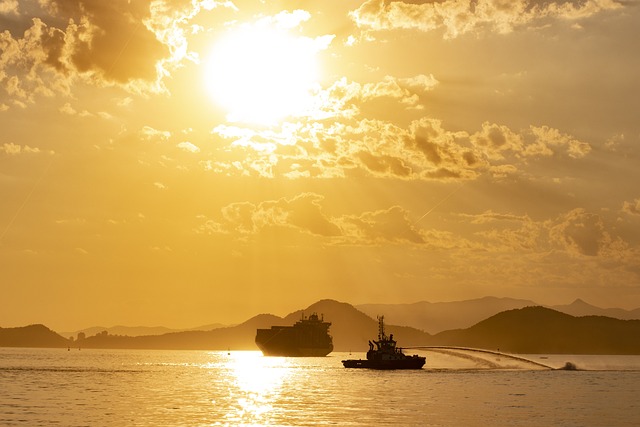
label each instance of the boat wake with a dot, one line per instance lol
(446, 357)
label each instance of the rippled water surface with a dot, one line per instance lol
(196, 388)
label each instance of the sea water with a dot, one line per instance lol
(43, 387)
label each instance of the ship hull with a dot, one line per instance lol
(408, 363)
(292, 351)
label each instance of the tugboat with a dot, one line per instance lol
(308, 337)
(386, 355)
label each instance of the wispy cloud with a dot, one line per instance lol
(15, 149)
(458, 17)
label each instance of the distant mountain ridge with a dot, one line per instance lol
(441, 316)
(532, 329)
(581, 308)
(135, 331)
(423, 315)
(543, 330)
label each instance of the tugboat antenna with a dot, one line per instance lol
(381, 334)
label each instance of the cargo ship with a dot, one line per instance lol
(308, 337)
(386, 355)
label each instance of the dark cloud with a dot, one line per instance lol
(54, 42)
(384, 165)
(582, 233)
(303, 213)
(390, 225)
(111, 38)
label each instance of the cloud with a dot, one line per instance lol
(490, 216)
(582, 233)
(425, 150)
(494, 140)
(525, 238)
(288, 20)
(504, 232)
(342, 98)
(458, 17)
(189, 147)
(576, 233)
(171, 23)
(27, 64)
(546, 139)
(53, 43)
(497, 141)
(147, 133)
(15, 149)
(9, 7)
(68, 109)
(304, 214)
(421, 81)
(568, 239)
(390, 225)
(393, 87)
(109, 40)
(632, 208)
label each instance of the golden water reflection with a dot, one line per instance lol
(255, 383)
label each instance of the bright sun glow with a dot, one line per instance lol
(261, 74)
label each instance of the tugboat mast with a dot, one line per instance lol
(381, 335)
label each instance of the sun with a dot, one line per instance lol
(261, 74)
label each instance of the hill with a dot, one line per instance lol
(543, 330)
(352, 329)
(532, 329)
(582, 308)
(240, 337)
(31, 336)
(442, 316)
(136, 331)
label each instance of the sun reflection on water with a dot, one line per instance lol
(255, 382)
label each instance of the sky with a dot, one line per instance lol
(185, 162)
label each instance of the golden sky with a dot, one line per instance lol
(184, 162)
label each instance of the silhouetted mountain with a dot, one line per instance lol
(240, 337)
(543, 330)
(135, 331)
(207, 327)
(132, 331)
(31, 336)
(425, 316)
(526, 330)
(442, 316)
(581, 308)
(352, 329)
